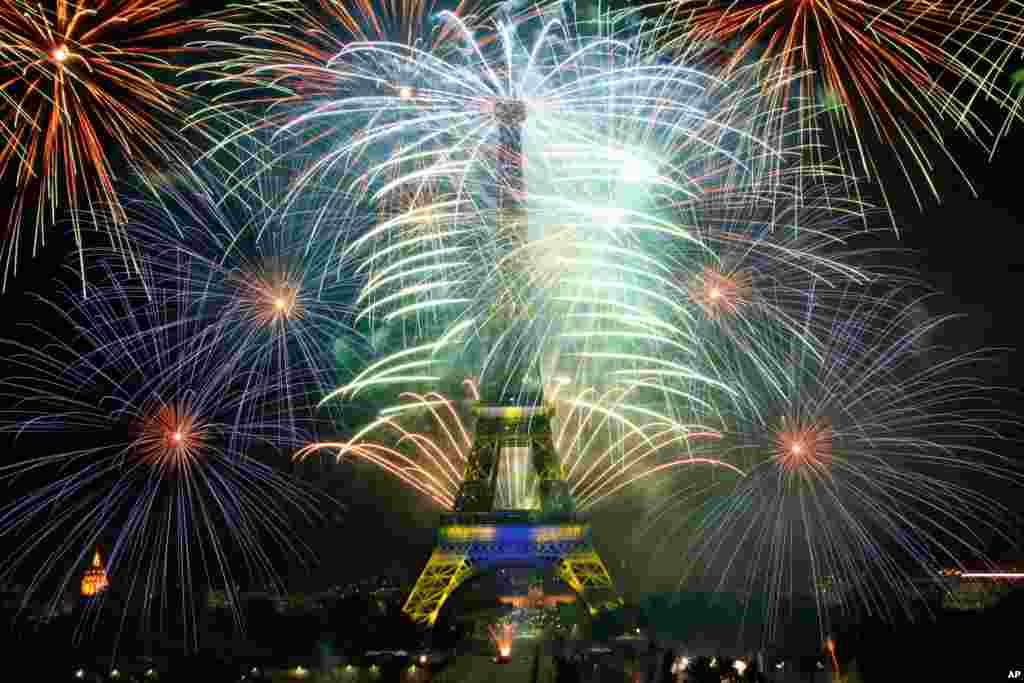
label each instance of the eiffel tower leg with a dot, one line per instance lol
(586, 574)
(444, 573)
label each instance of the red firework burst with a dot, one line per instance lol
(804, 447)
(721, 293)
(171, 437)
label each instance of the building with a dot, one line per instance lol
(832, 590)
(537, 598)
(978, 589)
(94, 581)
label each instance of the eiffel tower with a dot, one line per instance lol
(511, 416)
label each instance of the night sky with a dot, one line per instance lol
(968, 248)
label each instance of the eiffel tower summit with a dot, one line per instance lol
(487, 531)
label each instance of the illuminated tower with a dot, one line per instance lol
(94, 581)
(487, 531)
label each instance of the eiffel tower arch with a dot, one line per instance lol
(477, 538)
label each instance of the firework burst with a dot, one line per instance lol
(803, 448)
(285, 56)
(275, 298)
(858, 459)
(904, 71)
(605, 448)
(160, 467)
(608, 138)
(403, 109)
(82, 93)
(721, 293)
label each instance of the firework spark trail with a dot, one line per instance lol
(670, 340)
(753, 276)
(416, 130)
(581, 94)
(903, 71)
(672, 263)
(434, 112)
(283, 55)
(79, 80)
(856, 462)
(599, 462)
(503, 637)
(273, 296)
(160, 466)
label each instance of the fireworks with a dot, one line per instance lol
(171, 438)
(424, 441)
(662, 245)
(721, 293)
(613, 142)
(299, 60)
(684, 279)
(902, 71)
(803, 449)
(82, 94)
(394, 111)
(856, 464)
(151, 453)
(268, 283)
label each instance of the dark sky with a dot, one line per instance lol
(968, 248)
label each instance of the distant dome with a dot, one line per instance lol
(95, 579)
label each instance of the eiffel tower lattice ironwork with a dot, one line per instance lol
(511, 417)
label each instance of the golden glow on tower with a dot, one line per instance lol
(94, 581)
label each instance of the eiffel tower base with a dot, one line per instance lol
(469, 544)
